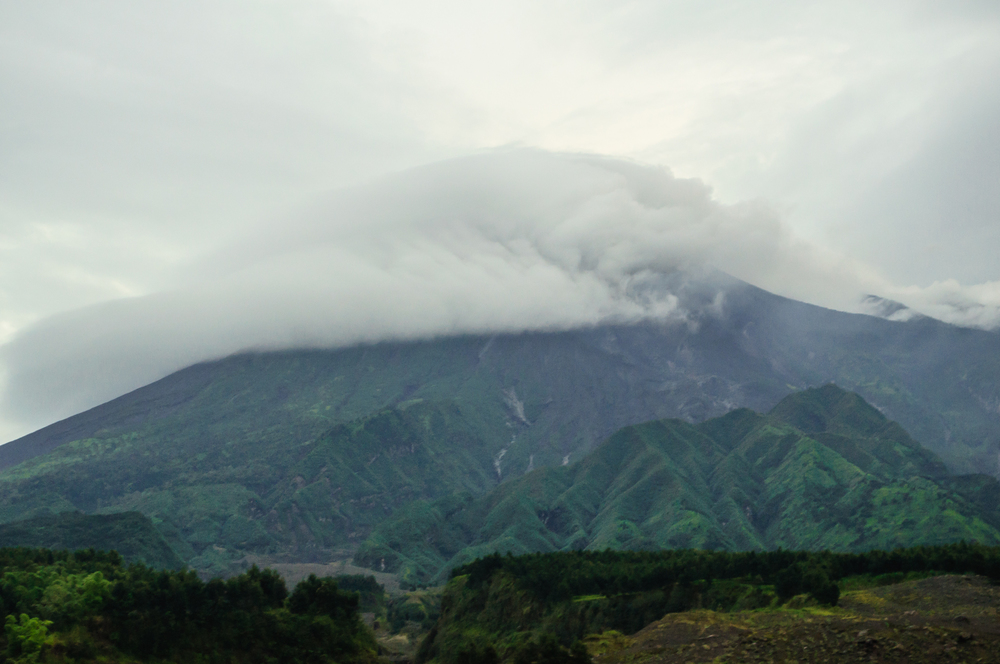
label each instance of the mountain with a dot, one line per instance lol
(130, 534)
(304, 501)
(298, 453)
(563, 392)
(823, 470)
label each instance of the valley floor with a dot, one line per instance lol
(938, 619)
(292, 573)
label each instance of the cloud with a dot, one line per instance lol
(504, 241)
(136, 138)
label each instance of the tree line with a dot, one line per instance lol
(502, 604)
(559, 576)
(79, 606)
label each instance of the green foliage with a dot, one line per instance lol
(545, 649)
(54, 594)
(321, 597)
(863, 581)
(371, 594)
(25, 637)
(129, 533)
(475, 652)
(562, 576)
(855, 481)
(806, 577)
(96, 605)
(422, 607)
(216, 504)
(519, 604)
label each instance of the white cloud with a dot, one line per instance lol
(506, 241)
(137, 140)
(510, 241)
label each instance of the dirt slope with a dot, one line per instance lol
(940, 619)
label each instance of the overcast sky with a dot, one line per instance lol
(159, 159)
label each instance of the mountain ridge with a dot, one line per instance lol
(738, 346)
(254, 454)
(744, 481)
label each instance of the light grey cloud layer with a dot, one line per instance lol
(506, 241)
(142, 145)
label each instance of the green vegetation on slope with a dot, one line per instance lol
(563, 392)
(260, 454)
(86, 606)
(215, 505)
(130, 534)
(415, 488)
(823, 470)
(501, 604)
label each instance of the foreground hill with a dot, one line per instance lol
(131, 534)
(822, 470)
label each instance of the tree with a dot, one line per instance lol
(26, 638)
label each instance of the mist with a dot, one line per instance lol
(504, 241)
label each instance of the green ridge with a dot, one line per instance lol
(217, 505)
(745, 481)
(415, 488)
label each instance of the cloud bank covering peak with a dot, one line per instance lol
(150, 153)
(500, 242)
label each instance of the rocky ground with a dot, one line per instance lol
(939, 619)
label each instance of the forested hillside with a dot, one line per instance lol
(823, 470)
(216, 505)
(563, 392)
(131, 534)
(426, 483)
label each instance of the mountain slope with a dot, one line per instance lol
(744, 481)
(563, 392)
(130, 534)
(228, 457)
(218, 504)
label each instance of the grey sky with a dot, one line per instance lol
(142, 146)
